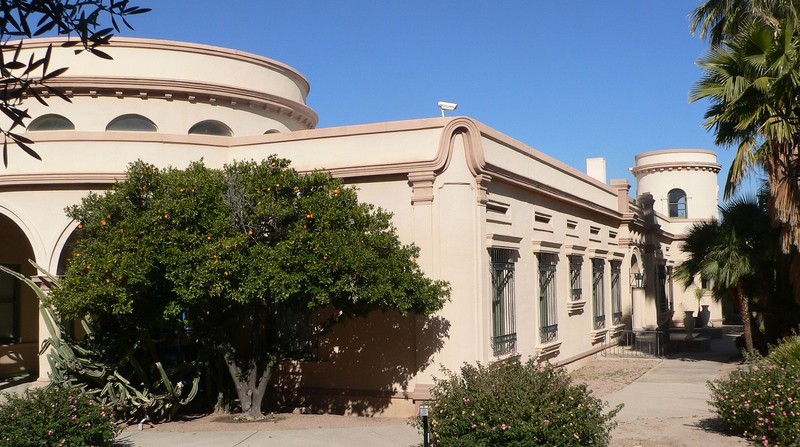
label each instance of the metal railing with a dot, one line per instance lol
(548, 333)
(504, 344)
(647, 344)
(600, 322)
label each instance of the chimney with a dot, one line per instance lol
(596, 168)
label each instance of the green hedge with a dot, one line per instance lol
(510, 403)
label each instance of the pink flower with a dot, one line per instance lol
(547, 422)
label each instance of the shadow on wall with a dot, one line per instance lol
(16, 359)
(361, 366)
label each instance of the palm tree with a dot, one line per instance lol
(752, 82)
(719, 20)
(734, 254)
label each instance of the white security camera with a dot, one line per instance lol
(447, 105)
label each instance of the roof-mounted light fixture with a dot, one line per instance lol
(444, 105)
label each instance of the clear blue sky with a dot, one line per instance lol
(574, 79)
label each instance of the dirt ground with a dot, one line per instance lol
(288, 421)
(601, 376)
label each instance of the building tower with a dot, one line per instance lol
(684, 187)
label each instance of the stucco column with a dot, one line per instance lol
(44, 365)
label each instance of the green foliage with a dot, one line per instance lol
(205, 240)
(787, 353)
(510, 403)
(130, 379)
(761, 402)
(127, 374)
(55, 416)
(751, 76)
(231, 253)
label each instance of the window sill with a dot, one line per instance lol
(548, 350)
(598, 336)
(575, 307)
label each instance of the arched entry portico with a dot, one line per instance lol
(19, 306)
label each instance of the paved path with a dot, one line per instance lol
(384, 436)
(668, 406)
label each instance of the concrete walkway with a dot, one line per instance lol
(384, 436)
(668, 406)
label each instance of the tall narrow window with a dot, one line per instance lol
(9, 306)
(504, 335)
(677, 203)
(616, 292)
(598, 294)
(575, 263)
(548, 304)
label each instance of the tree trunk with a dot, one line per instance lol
(783, 169)
(250, 386)
(744, 309)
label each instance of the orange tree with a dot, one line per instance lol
(242, 256)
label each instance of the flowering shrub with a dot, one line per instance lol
(514, 403)
(54, 416)
(762, 402)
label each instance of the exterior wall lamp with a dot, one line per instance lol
(637, 280)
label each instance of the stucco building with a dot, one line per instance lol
(543, 259)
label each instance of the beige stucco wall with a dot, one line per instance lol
(456, 187)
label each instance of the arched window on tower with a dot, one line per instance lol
(677, 203)
(132, 123)
(51, 121)
(211, 127)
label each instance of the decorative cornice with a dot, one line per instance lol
(189, 91)
(676, 166)
(25, 181)
(576, 250)
(546, 246)
(597, 252)
(482, 181)
(422, 187)
(503, 241)
(477, 164)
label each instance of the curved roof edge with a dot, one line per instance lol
(675, 151)
(187, 47)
